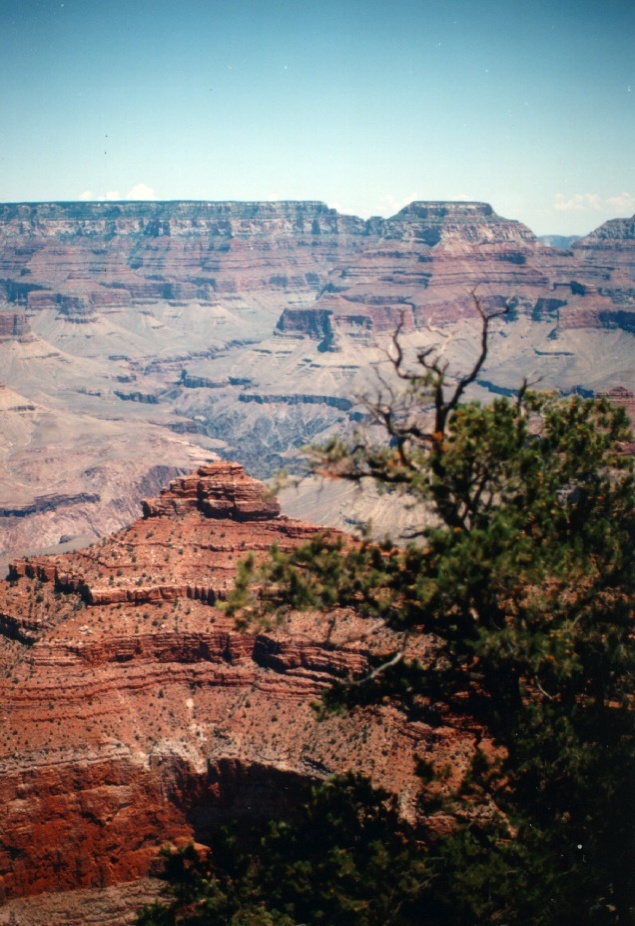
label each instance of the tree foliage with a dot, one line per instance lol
(525, 580)
(347, 858)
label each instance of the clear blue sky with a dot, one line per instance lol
(365, 104)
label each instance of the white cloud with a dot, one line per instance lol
(88, 195)
(391, 204)
(579, 202)
(623, 202)
(593, 202)
(141, 191)
(138, 191)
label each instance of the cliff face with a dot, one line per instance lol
(14, 327)
(81, 257)
(78, 257)
(181, 331)
(473, 223)
(421, 263)
(610, 235)
(439, 253)
(175, 219)
(133, 713)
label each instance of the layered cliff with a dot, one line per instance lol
(181, 330)
(446, 251)
(78, 257)
(433, 223)
(608, 258)
(133, 713)
(613, 235)
(14, 327)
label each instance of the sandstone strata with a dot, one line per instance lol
(442, 252)
(178, 331)
(134, 713)
(80, 257)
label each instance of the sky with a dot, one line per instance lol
(363, 104)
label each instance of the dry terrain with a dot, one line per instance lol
(133, 712)
(138, 340)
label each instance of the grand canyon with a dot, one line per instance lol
(156, 361)
(138, 340)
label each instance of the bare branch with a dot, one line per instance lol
(525, 386)
(397, 658)
(466, 381)
(398, 360)
(545, 693)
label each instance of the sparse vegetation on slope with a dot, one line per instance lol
(526, 584)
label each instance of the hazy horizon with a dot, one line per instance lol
(365, 105)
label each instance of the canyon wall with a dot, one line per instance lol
(134, 713)
(140, 342)
(144, 335)
(78, 257)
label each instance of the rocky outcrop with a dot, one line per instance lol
(134, 713)
(331, 401)
(220, 490)
(432, 223)
(143, 397)
(203, 382)
(607, 259)
(313, 323)
(48, 503)
(610, 235)
(112, 906)
(14, 327)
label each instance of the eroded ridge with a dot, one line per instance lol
(134, 713)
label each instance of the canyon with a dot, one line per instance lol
(142, 347)
(134, 713)
(140, 340)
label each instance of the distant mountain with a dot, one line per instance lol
(138, 340)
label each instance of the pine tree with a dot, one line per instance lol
(523, 573)
(526, 579)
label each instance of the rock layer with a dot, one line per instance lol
(80, 257)
(183, 331)
(134, 713)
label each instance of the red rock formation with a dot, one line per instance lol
(220, 490)
(83, 256)
(443, 251)
(132, 711)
